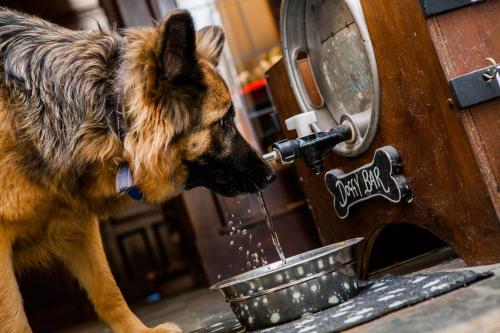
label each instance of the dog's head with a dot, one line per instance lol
(182, 132)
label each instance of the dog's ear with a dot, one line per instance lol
(176, 45)
(209, 43)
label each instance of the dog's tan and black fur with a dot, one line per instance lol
(60, 91)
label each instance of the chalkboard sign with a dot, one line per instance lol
(382, 177)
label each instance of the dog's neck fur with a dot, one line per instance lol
(61, 88)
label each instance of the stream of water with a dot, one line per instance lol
(270, 225)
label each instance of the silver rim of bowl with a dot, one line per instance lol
(291, 283)
(267, 270)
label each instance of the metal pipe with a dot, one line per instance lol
(311, 147)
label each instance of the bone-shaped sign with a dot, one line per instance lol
(381, 177)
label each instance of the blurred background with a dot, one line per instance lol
(200, 237)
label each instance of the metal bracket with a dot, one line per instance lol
(435, 7)
(476, 87)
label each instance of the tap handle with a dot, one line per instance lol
(301, 123)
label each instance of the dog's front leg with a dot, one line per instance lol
(12, 316)
(87, 261)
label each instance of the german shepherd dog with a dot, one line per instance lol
(61, 92)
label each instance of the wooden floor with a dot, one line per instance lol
(475, 308)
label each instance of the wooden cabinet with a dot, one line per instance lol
(149, 250)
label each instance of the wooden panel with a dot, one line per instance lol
(147, 248)
(138, 254)
(464, 39)
(450, 196)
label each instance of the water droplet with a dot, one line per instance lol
(231, 243)
(240, 248)
(244, 231)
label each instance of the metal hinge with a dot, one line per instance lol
(435, 7)
(477, 87)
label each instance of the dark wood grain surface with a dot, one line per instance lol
(451, 198)
(463, 39)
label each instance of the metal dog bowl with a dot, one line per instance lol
(308, 283)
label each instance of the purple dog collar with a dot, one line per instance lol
(125, 183)
(124, 180)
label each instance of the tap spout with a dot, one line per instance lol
(311, 148)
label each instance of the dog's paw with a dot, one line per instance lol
(165, 328)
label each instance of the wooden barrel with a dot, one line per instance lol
(450, 156)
